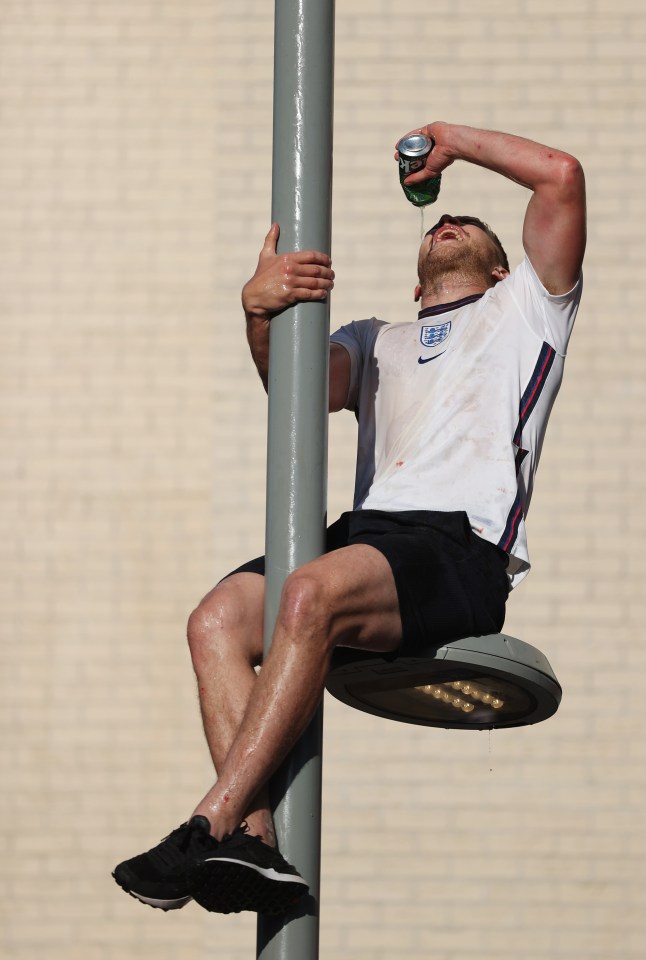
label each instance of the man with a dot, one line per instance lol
(452, 409)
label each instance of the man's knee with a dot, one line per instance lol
(230, 616)
(204, 626)
(346, 598)
(307, 607)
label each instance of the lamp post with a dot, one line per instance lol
(297, 421)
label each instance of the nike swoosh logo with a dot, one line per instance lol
(428, 359)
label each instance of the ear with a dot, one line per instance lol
(417, 294)
(499, 273)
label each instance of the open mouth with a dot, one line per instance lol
(448, 232)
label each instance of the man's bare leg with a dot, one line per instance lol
(348, 597)
(225, 634)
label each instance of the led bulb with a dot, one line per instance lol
(453, 694)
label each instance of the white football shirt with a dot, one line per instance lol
(452, 408)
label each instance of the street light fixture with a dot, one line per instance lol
(479, 683)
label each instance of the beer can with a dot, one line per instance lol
(413, 151)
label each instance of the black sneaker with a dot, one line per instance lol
(160, 877)
(245, 874)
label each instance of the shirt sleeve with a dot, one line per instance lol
(550, 316)
(358, 339)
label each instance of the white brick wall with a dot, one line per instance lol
(134, 194)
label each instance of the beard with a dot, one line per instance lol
(459, 263)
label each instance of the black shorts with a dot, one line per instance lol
(450, 582)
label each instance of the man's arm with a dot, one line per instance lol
(280, 281)
(554, 228)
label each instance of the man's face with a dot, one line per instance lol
(454, 240)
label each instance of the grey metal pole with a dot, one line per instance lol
(297, 424)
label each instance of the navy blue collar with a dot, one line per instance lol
(446, 307)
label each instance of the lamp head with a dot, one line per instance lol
(479, 683)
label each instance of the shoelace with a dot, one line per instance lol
(169, 852)
(240, 832)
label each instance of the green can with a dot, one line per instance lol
(413, 151)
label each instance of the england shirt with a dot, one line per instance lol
(452, 408)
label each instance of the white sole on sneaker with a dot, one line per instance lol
(161, 904)
(267, 872)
